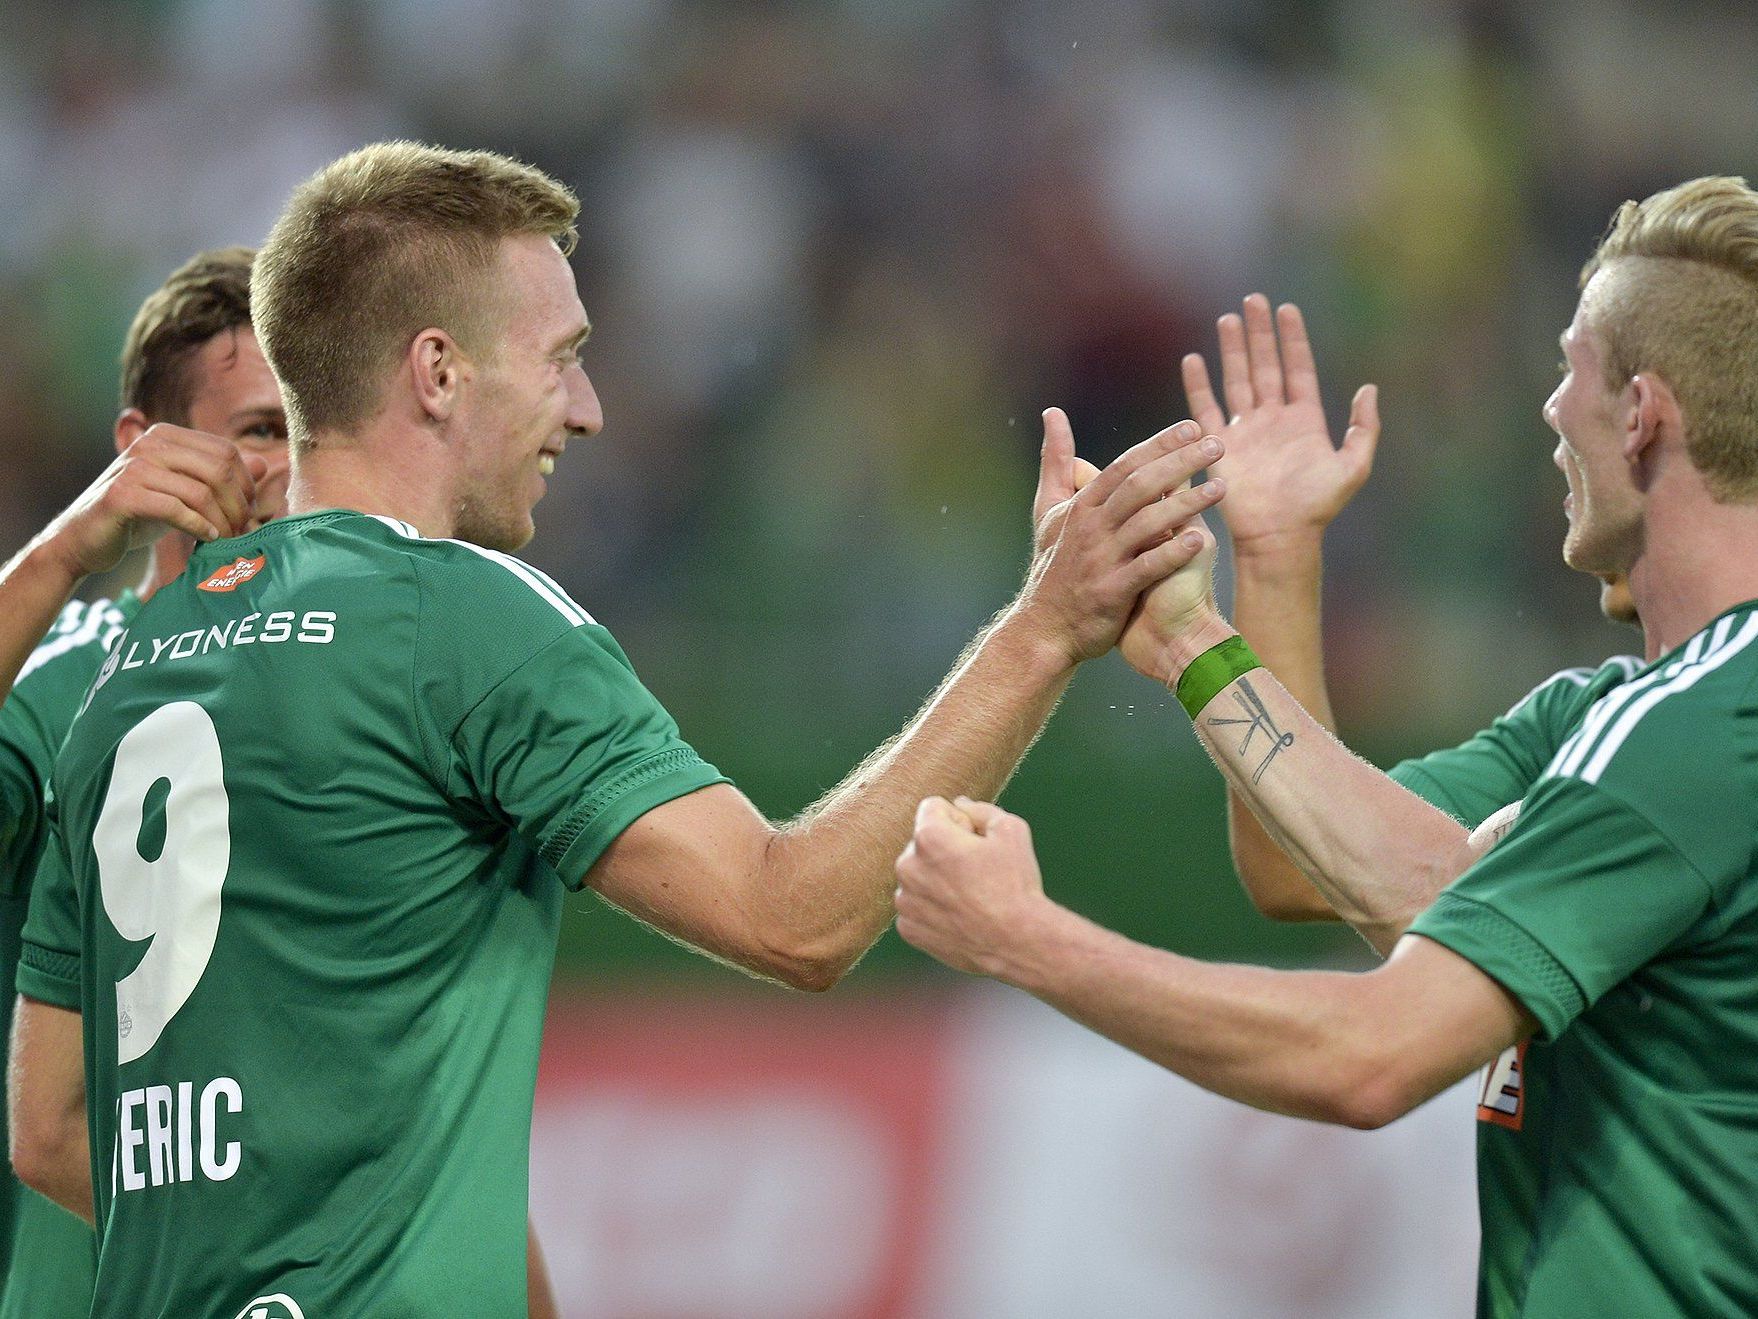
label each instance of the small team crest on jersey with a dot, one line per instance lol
(1503, 1098)
(278, 1306)
(235, 574)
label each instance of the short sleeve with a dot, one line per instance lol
(48, 967)
(25, 755)
(1583, 892)
(1499, 765)
(570, 749)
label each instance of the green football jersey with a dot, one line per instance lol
(47, 1255)
(315, 823)
(1618, 1159)
(1475, 779)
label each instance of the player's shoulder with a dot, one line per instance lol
(1577, 688)
(83, 633)
(1690, 713)
(470, 585)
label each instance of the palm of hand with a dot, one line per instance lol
(1282, 472)
(1284, 477)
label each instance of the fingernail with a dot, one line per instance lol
(1211, 447)
(1215, 487)
(1193, 540)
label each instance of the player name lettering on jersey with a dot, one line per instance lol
(167, 1133)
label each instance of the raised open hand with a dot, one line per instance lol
(1285, 478)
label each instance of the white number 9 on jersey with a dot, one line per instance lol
(173, 900)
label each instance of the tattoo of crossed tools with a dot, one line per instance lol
(1254, 718)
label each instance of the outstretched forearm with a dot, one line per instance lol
(1378, 854)
(832, 866)
(1276, 607)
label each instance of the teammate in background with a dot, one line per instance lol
(1286, 482)
(343, 793)
(189, 360)
(1599, 947)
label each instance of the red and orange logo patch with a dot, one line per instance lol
(235, 574)
(1503, 1097)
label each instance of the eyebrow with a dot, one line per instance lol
(263, 414)
(576, 339)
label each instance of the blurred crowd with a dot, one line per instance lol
(840, 254)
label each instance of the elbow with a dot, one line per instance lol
(33, 1159)
(1292, 909)
(812, 970)
(816, 963)
(1366, 1100)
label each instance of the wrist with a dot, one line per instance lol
(54, 556)
(1275, 555)
(1039, 944)
(1204, 632)
(1031, 647)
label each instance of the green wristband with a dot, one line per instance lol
(1212, 670)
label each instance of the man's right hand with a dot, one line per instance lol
(1285, 479)
(1101, 545)
(171, 478)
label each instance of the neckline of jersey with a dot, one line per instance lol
(1673, 654)
(291, 524)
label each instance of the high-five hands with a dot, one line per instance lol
(171, 478)
(1104, 538)
(1286, 481)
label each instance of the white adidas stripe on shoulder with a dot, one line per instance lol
(99, 622)
(1712, 660)
(1613, 720)
(1574, 750)
(539, 582)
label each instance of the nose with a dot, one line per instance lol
(585, 414)
(1549, 411)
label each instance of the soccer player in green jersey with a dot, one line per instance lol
(190, 360)
(1599, 944)
(320, 813)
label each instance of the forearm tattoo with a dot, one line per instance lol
(1254, 718)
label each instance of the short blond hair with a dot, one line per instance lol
(207, 295)
(378, 246)
(1681, 301)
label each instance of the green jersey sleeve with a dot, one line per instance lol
(1582, 892)
(48, 966)
(570, 749)
(1637, 839)
(536, 716)
(23, 754)
(1499, 765)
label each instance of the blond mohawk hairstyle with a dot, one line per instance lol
(1680, 300)
(383, 243)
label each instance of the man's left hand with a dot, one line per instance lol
(969, 891)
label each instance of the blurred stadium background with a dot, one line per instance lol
(839, 256)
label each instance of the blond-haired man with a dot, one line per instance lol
(191, 372)
(370, 751)
(1595, 950)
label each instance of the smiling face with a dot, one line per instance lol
(528, 397)
(1603, 507)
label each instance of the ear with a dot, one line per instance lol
(131, 424)
(1653, 417)
(437, 371)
